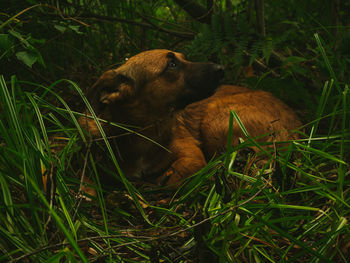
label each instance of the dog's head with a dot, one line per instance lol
(160, 79)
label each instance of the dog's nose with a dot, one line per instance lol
(219, 70)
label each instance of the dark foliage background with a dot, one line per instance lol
(80, 39)
(298, 50)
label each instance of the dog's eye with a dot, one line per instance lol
(172, 64)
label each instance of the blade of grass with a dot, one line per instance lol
(320, 153)
(326, 60)
(296, 241)
(341, 168)
(58, 221)
(130, 188)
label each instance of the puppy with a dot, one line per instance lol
(173, 102)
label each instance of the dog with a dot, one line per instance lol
(179, 105)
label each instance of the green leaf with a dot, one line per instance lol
(294, 23)
(21, 38)
(56, 258)
(75, 29)
(37, 53)
(27, 57)
(267, 49)
(294, 59)
(320, 153)
(40, 41)
(5, 42)
(62, 29)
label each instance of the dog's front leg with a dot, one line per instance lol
(188, 159)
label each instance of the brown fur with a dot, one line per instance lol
(169, 105)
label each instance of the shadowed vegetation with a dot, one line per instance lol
(294, 209)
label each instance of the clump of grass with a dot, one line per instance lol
(25, 154)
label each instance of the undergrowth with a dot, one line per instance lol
(294, 209)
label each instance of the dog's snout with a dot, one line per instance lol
(219, 70)
(218, 67)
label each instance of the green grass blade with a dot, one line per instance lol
(326, 60)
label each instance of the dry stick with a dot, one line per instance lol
(124, 134)
(260, 64)
(167, 22)
(130, 132)
(76, 205)
(52, 192)
(146, 239)
(68, 17)
(274, 167)
(186, 35)
(210, 10)
(42, 5)
(80, 194)
(20, 13)
(161, 29)
(196, 10)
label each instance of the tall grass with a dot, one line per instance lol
(294, 209)
(25, 154)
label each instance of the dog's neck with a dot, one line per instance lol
(140, 115)
(137, 118)
(143, 142)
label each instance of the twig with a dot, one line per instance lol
(260, 64)
(124, 134)
(80, 193)
(186, 35)
(197, 11)
(52, 181)
(76, 205)
(162, 29)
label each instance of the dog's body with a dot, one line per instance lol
(167, 99)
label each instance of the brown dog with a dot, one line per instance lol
(153, 91)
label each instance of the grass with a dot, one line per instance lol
(230, 211)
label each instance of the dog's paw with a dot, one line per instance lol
(170, 178)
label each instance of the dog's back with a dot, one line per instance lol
(260, 112)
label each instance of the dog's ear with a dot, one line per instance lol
(109, 88)
(119, 89)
